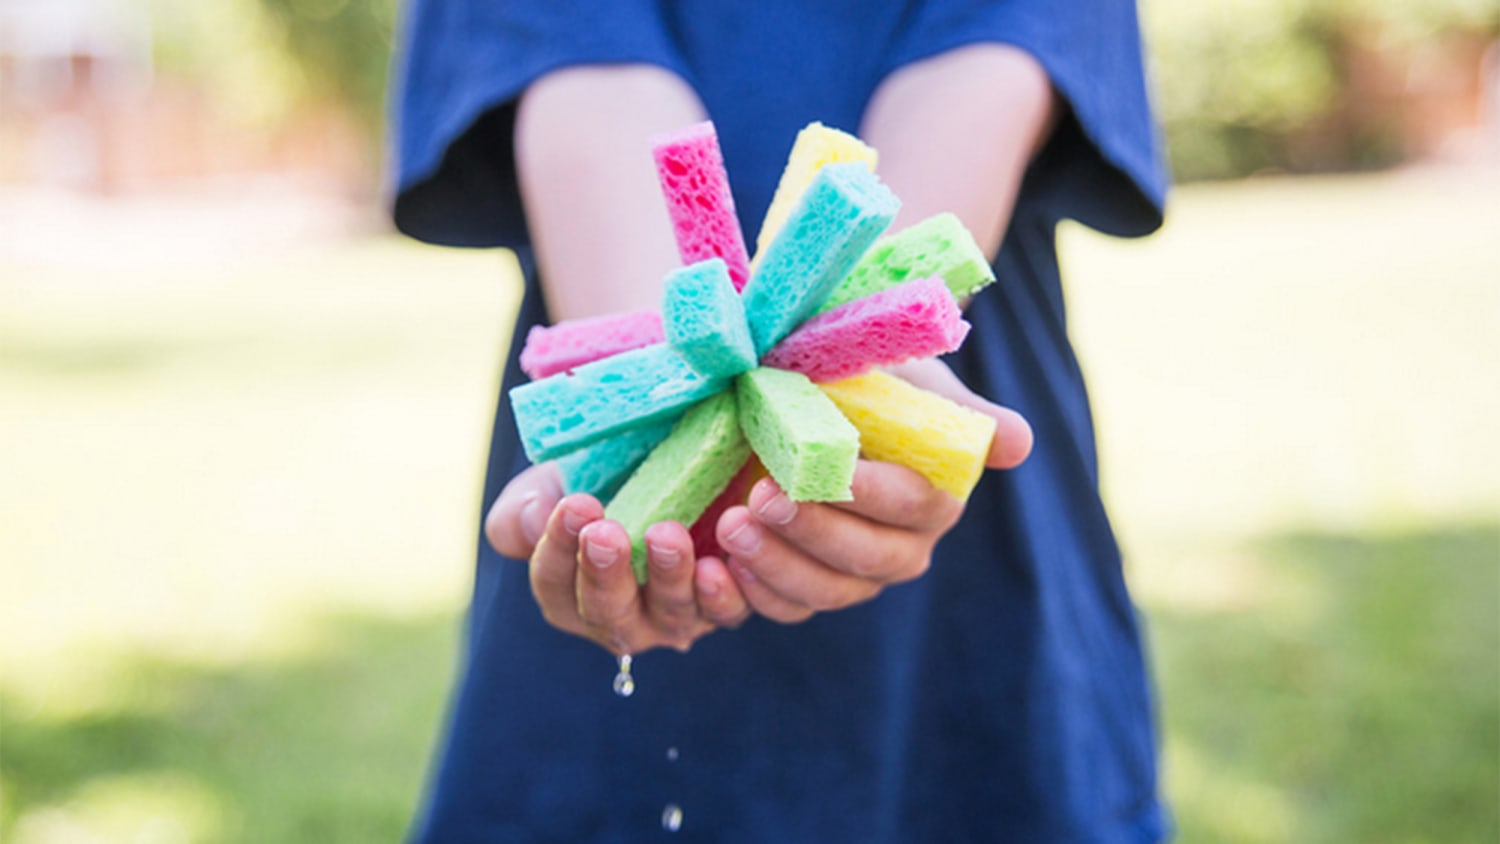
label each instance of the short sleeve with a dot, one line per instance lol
(461, 68)
(1103, 165)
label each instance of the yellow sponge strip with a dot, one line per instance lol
(898, 423)
(816, 147)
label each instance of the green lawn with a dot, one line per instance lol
(230, 583)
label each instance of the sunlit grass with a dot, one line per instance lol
(239, 499)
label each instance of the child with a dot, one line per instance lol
(1000, 694)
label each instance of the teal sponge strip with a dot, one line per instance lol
(937, 246)
(704, 319)
(566, 412)
(683, 475)
(600, 469)
(844, 210)
(799, 434)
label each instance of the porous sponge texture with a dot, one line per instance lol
(690, 166)
(575, 342)
(600, 469)
(683, 475)
(938, 246)
(917, 319)
(565, 412)
(704, 320)
(945, 442)
(800, 436)
(816, 147)
(843, 212)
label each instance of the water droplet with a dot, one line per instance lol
(624, 683)
(671, 754)
(671, 817)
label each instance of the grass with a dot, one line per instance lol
(231, 579)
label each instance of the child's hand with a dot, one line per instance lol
(793, 560)
(581, 575)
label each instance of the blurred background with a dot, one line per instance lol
(243, 423)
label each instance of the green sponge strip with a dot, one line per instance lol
(798, 433)
(937, 246)
(683, 475)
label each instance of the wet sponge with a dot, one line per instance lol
(816, 147)
(690, 167)
(800, 436)
(917, 319)
(569, 411)
(898, 423)
(683, 475)
(601, 468)
(938, 245)
(559, 348)
(843, 212)
(705, 320)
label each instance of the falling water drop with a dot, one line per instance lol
(671, 754)
(624, 683)
(671, 817)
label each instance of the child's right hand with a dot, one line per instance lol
(581, 575)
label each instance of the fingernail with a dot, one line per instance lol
(601, 555)
(664, 557)
(744, 539)
(777, 510)
(533, 518)
(573, 522)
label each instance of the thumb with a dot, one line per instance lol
(515, 523)
(1013, 437)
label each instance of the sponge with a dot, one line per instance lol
(690, 166)
(601, 468)
(800, 436)
(938, 245)
(917, 319)
(843, 212)
(705, 531)
(569, 411)
(576, 342)
(816, 147)
(682, 476)
(705, 320)
(898, 423)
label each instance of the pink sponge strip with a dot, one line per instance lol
(576, 342)
(691, 169)
(916, 319)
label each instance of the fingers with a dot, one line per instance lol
(518, 519)
(888, 494)
(719, 597)
(609, 600)
(671, 601)
(554, 564)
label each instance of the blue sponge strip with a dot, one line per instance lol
(705, 319)
(844, 210)
(602, 468)
(564, 412)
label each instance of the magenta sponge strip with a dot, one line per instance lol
(566, 412)
(683, 475)
(690, 167)
(561, 347)
(917, 319)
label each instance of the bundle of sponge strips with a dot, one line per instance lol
(766, 366)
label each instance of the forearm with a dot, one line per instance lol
(600, 229)
(956, 132)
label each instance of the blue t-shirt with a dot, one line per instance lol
(1001, 697)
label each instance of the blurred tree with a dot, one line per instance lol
(1295, 85)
